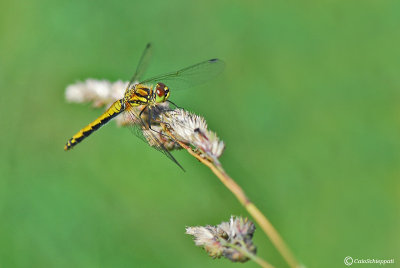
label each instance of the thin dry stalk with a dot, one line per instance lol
(264, 223)
(253, 257)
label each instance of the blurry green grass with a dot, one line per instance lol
(308, 108)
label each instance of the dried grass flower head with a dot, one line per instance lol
(232, 239)
(192, 129)
(99, 92)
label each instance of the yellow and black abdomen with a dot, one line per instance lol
(115, 109)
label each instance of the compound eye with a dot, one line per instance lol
(160, 89)
(160, 92)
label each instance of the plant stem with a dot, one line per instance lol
(248, 254)
(264, 223)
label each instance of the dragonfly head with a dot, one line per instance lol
(162, 92)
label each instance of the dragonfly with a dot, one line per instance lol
(141, 99)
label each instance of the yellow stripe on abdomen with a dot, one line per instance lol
(115, 109)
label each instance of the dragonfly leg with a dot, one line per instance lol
(176, 106)
(140, 114)
(156, 121)
(141, 119)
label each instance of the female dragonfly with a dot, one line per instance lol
(147, 95)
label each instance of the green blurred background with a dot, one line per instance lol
(308, 107)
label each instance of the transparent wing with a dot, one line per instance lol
(190, 76)
(140, 128)
(142, 65)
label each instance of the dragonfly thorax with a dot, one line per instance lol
(139, 95)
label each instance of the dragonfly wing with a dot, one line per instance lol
(140, 128)
(190, 76)
(142, 66)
